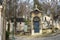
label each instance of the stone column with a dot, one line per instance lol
(0, 24)
(32, 30)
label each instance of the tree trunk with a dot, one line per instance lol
(4, 20)
(8, 31)
(4, 30)
(15, 25)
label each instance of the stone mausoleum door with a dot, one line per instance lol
(36, 24)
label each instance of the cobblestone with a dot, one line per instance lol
(57, 37)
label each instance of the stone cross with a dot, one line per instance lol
(36, 6)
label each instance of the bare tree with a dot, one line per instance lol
(24, 8)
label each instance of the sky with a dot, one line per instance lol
(25, 0)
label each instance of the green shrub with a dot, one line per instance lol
(7, 35)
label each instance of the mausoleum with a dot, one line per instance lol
(36, 20)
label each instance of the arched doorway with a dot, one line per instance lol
(36, 22)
